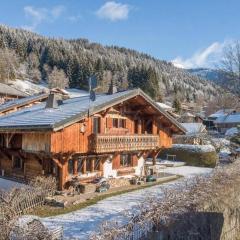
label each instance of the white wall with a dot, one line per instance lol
(139, 170)
(107, 169)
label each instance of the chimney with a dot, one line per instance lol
(56, 98)
(53, 101)
(112, 88)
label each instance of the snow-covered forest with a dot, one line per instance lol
(73, 61)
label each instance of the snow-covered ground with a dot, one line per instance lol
(7, 184)
(81, 223)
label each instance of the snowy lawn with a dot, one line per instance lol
(81, 223)
(7, 184)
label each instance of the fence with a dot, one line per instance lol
(57, 233)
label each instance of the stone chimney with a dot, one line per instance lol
(56, 97)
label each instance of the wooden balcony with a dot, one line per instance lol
(103, 143)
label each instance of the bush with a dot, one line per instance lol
(202, 157)
(235, 139)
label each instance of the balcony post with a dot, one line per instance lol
(154, 126)
(84, 169)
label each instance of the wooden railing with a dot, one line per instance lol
(130, 142)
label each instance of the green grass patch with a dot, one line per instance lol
(47, 211)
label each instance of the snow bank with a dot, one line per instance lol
(194, 148)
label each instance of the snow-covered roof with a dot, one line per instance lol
(188, 114)
(164, 106)
(73, 92)
(220, 113)
(194, 127)
(230, 118)
(72, 110)
(8, 90)
(231, 131)
(21, 102)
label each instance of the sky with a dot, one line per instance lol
(190, 33)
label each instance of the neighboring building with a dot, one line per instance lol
(209, 122)
(194, 134)
(170, 110)
(17, 104)
(225, 122)
(75, 137)
(194, 128)
(188, 117)
(9, 93)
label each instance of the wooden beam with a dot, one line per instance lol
(84, 169)
(57, 162)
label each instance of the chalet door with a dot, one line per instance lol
(96, 125)
(148, 126)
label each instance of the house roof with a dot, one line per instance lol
(37, 117)
(164, 106)
(7, 106)
(221, 112)
(8, 90)
(193, 128)
(230, 118)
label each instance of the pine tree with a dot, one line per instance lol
(176, 104)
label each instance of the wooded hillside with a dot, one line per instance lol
(37, 57)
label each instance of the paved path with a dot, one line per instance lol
(81, 223)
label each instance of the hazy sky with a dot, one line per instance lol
(192, 33)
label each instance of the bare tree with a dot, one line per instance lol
(223, 101)
(57, 78)
(230, 65)
(8, 65)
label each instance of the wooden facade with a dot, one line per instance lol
(119, 134)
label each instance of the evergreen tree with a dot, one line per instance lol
(176, 104)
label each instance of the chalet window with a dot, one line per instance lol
(80, 166)
(97, 164)
(122, 123)
(125, 160)
(96, 125)
(17, 163)
(88, 167)
(115, 122)
(70, 166)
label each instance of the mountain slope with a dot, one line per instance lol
(79, 59)
(217, 76)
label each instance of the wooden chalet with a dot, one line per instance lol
(75, 137)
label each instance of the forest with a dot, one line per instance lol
(70, 63)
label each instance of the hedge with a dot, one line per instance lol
(200, 158)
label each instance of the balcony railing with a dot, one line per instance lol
(109, 143)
